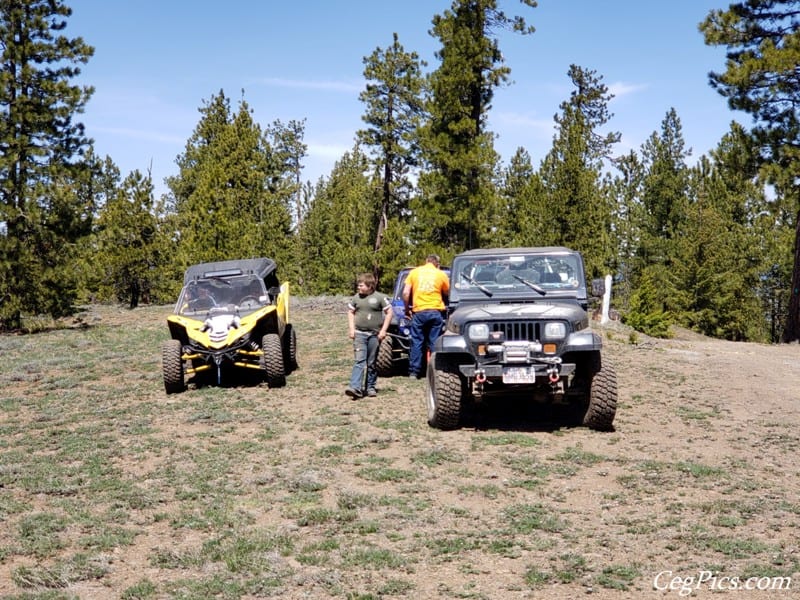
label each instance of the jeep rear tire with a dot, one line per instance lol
(602, 397)
(444, 391)
(384, 364)
(172, 367)
(272, 360)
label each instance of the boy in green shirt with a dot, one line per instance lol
(369, 314)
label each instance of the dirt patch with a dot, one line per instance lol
(298, 492)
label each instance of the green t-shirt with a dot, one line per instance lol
(369, 310)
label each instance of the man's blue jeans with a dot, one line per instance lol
(365, 348)
(426, 326)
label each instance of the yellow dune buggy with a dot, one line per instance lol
(230, 316)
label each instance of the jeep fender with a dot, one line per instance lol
(453, 346)
(582, 341)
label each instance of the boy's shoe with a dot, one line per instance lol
(372, 392)
(354, 394)
(413, 376)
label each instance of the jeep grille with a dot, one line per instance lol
(518, 330)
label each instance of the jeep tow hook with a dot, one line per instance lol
(480, 376)
(552, 375)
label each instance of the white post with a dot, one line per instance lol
(606, 301)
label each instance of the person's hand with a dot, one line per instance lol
(352, 335)
(381, 335)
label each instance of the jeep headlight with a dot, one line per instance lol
(478, 332)
(555, 331)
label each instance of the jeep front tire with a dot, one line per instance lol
(601, 396)
(443, 391)
(172, 366)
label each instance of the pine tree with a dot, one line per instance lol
(572, 172)
(335, 241)
(664, 203)
(127, 242)
(42, 212)
(223, 200)
(763, 51)
(456, 141)
(394, 98)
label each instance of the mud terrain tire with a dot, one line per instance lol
(444, 391)
(272, 360)
(172, 367)
(289, 349)
(602, 397)
(384, 364)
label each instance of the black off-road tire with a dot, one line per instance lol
(444, 392)
(289, 349)
(172, 367)
(602, 397)
(272, 360)
(384, 364)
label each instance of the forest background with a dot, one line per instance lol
(712, 246)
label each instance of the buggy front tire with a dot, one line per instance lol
(172, 367)
(272, 360)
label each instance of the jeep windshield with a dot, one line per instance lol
(515, 274)
(241, 295)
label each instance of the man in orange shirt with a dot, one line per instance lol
(424, 294)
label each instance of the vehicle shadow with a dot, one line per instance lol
(519, 414)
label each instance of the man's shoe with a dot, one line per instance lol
(354, 394)
(372, 392)
(413, 376)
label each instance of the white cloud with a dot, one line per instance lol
(620, 88)
(334, 86)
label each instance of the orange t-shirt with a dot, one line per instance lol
(428, 284)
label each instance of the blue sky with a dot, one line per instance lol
(157, 61)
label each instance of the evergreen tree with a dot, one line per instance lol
(526, 220)
(127, 246)
(336, 238)
(455, 141)
(572, 172)
(289, 150)
(223, 200)
(763, 52)
(664, 201)
(42, 213)
(394, 98)
(627, 223)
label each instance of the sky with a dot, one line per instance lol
(157, 62)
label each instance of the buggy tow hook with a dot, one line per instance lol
(552, 374)
(480, 376)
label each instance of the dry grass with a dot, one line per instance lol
(111, 489)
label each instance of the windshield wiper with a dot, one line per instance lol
(530, 284)
(477, 285)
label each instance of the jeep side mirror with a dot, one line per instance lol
(598, 287)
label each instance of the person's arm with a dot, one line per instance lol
(351, 323)
(407, 298)
(387, 320)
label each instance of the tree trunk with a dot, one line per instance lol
(792, 331)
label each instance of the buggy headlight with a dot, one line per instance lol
(555, 331)
(478, 332)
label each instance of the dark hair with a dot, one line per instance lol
(433, 258)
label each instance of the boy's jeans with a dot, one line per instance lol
(365, 347)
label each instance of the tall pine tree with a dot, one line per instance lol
(761, 78)
(456, 142)
(42, 213)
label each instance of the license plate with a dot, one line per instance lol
(519, 375)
